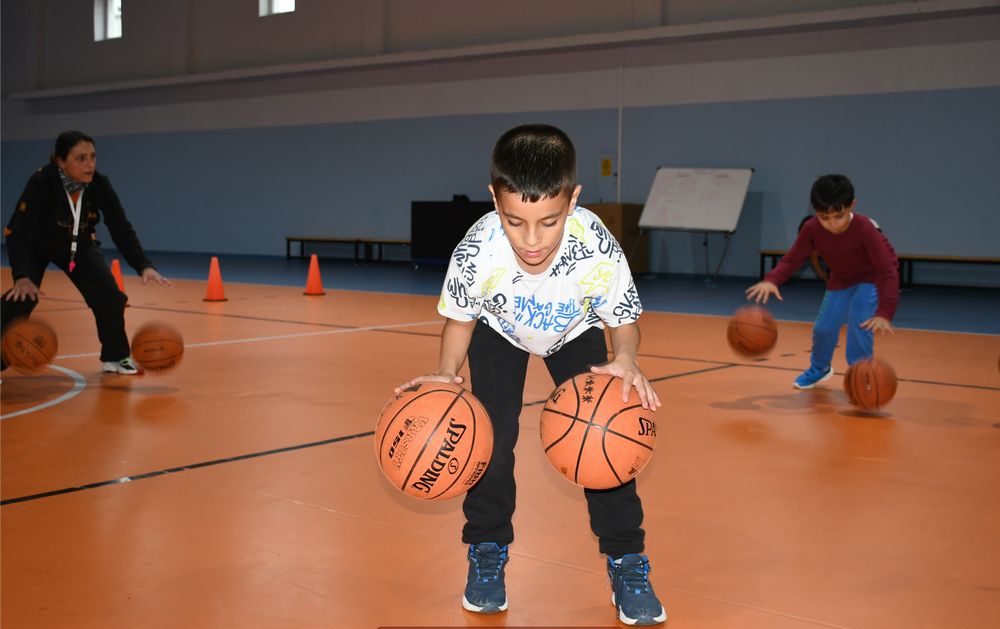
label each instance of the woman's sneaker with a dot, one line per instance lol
(631, 592)
(125, 366)
(485, 592)
(812, 376)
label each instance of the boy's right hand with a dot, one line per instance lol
(760, 291)
(433, 377)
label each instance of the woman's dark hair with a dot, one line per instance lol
(65, 143)
(537, 161)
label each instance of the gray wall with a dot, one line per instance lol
(223, 131)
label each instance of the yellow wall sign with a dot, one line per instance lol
(606, 167)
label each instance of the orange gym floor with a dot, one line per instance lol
(241, 489)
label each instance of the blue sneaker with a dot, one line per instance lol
(812, 376)
(485, 592)
(631, 592)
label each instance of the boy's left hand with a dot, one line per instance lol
(878, 324)
(631, 377)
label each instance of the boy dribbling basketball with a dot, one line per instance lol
(541, 276)
(863, 287)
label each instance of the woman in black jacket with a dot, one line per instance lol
(54, 222)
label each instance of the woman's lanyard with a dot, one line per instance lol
(75, 208)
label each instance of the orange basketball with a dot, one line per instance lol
(870, 383)
(752, 331)
(157, 347)
(434, 441)
(593, 438)
(29, 345)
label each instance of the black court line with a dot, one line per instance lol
(757, 365)
(433, 334)
(959, 385)
(981, 387)
(660, 379)
(760, 365)
(253, 455)
(693, 373)
(43, 311)
(265, 319)
(183, 468)
(289, 321)
(718, 366)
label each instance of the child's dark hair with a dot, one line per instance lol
(537, 161)
(66, 141)
(831, 193)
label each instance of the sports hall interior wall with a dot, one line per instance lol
(905, 107)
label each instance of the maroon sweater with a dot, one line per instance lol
(861, 254)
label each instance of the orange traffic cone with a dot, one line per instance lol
(314, 285)
(116, 271)
(215, 292)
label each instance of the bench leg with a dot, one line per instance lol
(764, 257)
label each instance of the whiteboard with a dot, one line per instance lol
(696, 199)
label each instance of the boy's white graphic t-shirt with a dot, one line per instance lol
(588, 284)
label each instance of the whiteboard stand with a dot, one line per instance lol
(630, 254)
(725, 249)
(707, 200)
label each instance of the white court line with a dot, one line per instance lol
(257, 339)
(79, 384)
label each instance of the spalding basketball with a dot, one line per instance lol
(593, 438)
(157, 347)
(870, 383)
(434, 441)
(29, 345)
(752, 331)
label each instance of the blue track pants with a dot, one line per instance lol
(852, 306)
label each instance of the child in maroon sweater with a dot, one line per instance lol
(863, 287)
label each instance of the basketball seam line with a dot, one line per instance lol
(437, 425)
(605, 429)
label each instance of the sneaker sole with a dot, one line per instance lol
(482, 610)
(652, 621)
(655, 620)
(803, 387)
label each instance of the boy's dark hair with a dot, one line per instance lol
(536, 160)
(831, 193)
(66, 141)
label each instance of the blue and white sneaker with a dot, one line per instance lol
(485, 592)
(631, 592)
(812, 376)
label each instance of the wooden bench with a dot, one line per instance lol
(906, 261)
(362, 246)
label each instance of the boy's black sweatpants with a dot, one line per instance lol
(498, 371)
(94, 280)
